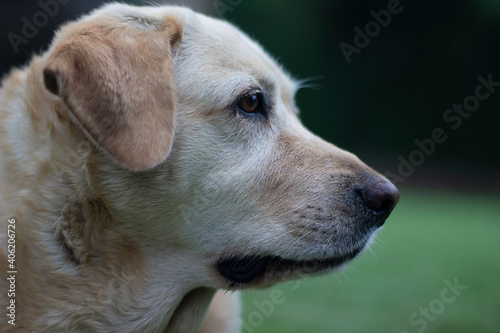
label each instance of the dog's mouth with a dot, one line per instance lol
(245, 269)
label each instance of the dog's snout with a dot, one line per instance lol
(380, 196)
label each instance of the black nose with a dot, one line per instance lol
(380, 196)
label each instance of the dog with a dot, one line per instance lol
(153, 162)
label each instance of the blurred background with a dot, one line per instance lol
(386, 75)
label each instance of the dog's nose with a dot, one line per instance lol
(380, 196)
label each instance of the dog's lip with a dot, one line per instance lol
(243, 269)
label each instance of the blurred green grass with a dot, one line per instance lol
(430, 237)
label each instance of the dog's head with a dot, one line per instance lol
(199, 149)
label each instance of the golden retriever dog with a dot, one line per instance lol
(152, 163)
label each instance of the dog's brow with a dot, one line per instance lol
(289, 92)
(239, 84)
(144, 22)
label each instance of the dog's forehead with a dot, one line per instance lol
(219, 58)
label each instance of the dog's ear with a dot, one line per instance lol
(116, 78)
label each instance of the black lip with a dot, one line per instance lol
(245, 269)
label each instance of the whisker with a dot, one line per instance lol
(307, 83)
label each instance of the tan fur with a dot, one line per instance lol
(135, 95)
(130, 175)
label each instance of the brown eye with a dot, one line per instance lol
(250, 103)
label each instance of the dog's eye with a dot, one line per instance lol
(251, 102)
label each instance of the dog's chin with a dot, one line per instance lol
(244, 271)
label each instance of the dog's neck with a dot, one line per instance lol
(143, 289)
(162, 302)
(182, 311)
(122, 285)
(137, 286)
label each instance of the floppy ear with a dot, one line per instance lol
(116, 79)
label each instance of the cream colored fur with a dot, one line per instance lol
(129, 175)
